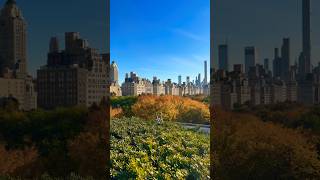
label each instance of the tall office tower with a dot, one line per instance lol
(276, 64)
(205, 81)
(115, 88)
(13, 41)
(179, 80)
(199, 79)
(285, 59)
(306, 38)
(54, 45)
(14, 79)
(223, 57)
(114, 73)
(188, 80)
(266, 64)
(250, 58)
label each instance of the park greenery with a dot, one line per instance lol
(147, 150)
(58, 143)
(279, 141)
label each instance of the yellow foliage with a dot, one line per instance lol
(116, 112)
(171, 108)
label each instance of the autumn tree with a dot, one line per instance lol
(248, 148)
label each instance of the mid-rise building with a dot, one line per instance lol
(75, 76)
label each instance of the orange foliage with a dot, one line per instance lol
(249, 148)
(171, 108)
(13, 160)
(116, 112)
(89, 154)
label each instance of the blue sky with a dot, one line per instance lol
(46, 18)
(163, 38)
(263, 24)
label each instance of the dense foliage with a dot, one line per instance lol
(171, 108)
(147, 150)
(199, 97)
(247, 147)
(56, 143)
(125, 103)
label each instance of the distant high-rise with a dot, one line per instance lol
(54, 45)
(276, 64)
(266, 64)
(205, 81)
(250, 58)
(114, 73)
(305, 56)
(14, 79)
(223, 57)
(285, 59)
(13, 41)
(179, 80)
(188, 80)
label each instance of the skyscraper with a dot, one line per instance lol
(54, 45)
(179, 80)
(13, 41)
(205, 81)
(223, 57)
(266, 64)
(305, 56)
(276, 64)
(14, 79)
(285, 59)
(250, 58)
(114, 73)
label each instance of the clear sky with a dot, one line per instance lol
(162, 38)
(46, 18)
(263, 24)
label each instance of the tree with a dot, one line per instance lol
(248, 148)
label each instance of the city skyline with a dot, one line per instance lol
(265, 30)
(167, 45)
(251, 83)
(69, 19)
(175, 79)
